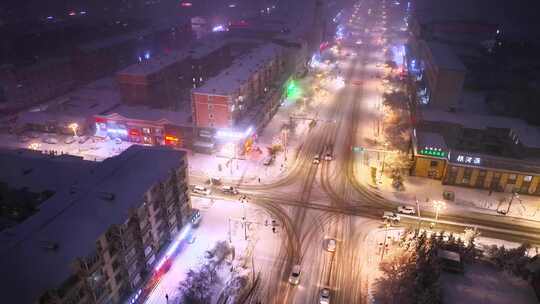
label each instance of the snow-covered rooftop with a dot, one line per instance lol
(529, 135)
(155, 64)
(73, 220)
(39, 172)
(91, 99)
(444, 57)
(150, 114)
(431, 139)
(199, 49)
(232, 78)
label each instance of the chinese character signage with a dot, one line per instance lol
(465, 159)
(437, 152)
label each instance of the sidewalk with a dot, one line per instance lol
(249, 169)
(427, 190)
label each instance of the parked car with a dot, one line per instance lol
(328, 156)
(331, 245)
(69, 140)
(33, 135)
(324, 296)
(83, 139)
(50, 140)
(201, 190)
(294, 278)
(391, 216)
(406, 210)
(268, 161)
(229, 189)
(24, 139)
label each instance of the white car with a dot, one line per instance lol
(324, 296)
(316, 159)
(331, 245)
(391, 216)
(294, 278)
(328, 156)
(229, 189)
(406, 210)
(201, 190)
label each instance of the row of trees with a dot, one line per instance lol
(200, 283)
(412, 273)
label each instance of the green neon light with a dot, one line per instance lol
(433, 153)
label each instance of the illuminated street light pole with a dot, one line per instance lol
(438, 205)
(74, 127)
(243, 200)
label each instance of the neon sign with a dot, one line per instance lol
(464, 159)
(234, 134)
(438, 152)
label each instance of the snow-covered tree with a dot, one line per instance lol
(197, 287)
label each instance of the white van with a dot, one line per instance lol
(229, 189)
(201, 190)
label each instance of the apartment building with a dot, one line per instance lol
(438, 73)
(165, 80)
(98, 239)
(226, 98)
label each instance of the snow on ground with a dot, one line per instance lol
(428, 190)
(96, 149)
(214, 226)
(482, 284)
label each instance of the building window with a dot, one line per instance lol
(210, 106)
(146, 130)
(467, 176)
(480, 179)
(526, 184)
(512, 178)
(434, 163)
(211, 116)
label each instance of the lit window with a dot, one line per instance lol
(527, 178)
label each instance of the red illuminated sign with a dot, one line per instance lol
(101, 120)
(171, 140)
(134, 132)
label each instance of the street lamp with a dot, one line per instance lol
(438, 205)
(74, 127)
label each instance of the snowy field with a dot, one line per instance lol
(482, 284)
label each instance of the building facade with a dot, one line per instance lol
(118, 242)
(166, 80)
(27, 85)
(500, 154)
(437, 74)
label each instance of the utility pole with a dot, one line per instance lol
(386, 224)
(418, 212)
(514, 195)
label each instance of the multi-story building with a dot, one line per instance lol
(165, 80)
(98, 239)
(157, 82)
(438, 75)
(27, 85)
(479, 151)
(104, 57)
(224, 100)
